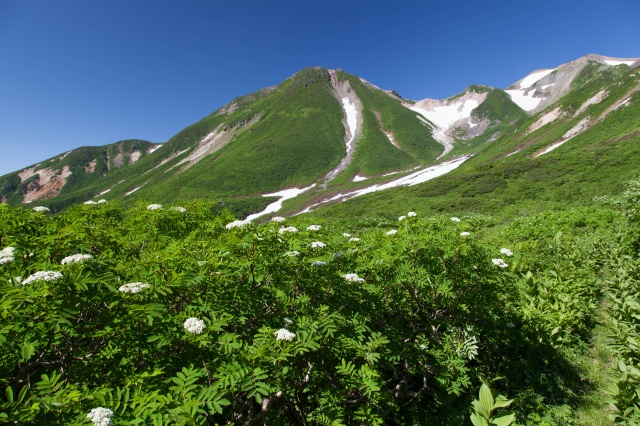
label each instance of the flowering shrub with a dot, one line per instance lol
(136, 287)
(7, 255)
(209, 342)
(47, 276)
(288, 229)
(194, 325)
(284, 334)
(76, 258)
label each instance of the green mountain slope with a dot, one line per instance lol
(71, 171)
(597, 139)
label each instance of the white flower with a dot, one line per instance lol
(506, 252)
(401, 218)
(354, 278)
(238, 224)
(412, 214)
(313, 228)
(392, 232)
(133, 287)
(48, 276)
(292, 253)
(346, 234)
(179, 209)
(278, 219)
(291, 229)
(318, 263)
(455, 219)
(76, 258)
(102, 201)
(194, 325)
(100, 416)
(499, 262)
(318, 244)
(287, 320)
(41, 209)
(284, 334)
(7, 255)
(154, 207)
(465, 234)
(354, 239)
(90, 202)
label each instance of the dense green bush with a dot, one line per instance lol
(180, 316)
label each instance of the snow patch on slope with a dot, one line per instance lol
(414, 178)
(614, 62)
(448, 114)
(285, 194)
(524, 98)
(534, 77)
(352, 119)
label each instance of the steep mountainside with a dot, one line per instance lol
(583, 146)
(325, 136)
(71, 171)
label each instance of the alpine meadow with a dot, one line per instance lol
(327, 252)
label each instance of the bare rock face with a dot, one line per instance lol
(543, 87)
(47, 185)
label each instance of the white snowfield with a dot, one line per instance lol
(445, 115)
(414, 178)
(614, 62)
(532, 78)
(352, 119)
(524, 99)
(284, 195)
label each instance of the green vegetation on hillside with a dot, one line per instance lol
(183, 316)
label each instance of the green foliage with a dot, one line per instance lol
(489, 401)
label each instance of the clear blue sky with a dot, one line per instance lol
(93, 72)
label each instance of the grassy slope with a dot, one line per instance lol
(376, 155)
(594, 163)
(78, 161)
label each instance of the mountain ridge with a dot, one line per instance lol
(338, 132)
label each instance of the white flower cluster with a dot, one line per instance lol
(48, 276)
(154, 207)
(465, 234)
(292, 253)
(100, 416)
(346, 234)
(291, 229)
(499, 262)
(7, 255)
(179, 209)
(238, 224)
(278, 219)
(455, 219)
(194, 325)
(284, 334)
(354, 239)
(313, 228)
(506, 252)
(392, 232)
(318, 263)
(102, 201)
(354, 278)
(90, 202)
(76, 258)
(41, 209)
(136, 287)
(412, 214)
(318, 244)
(401, 218)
